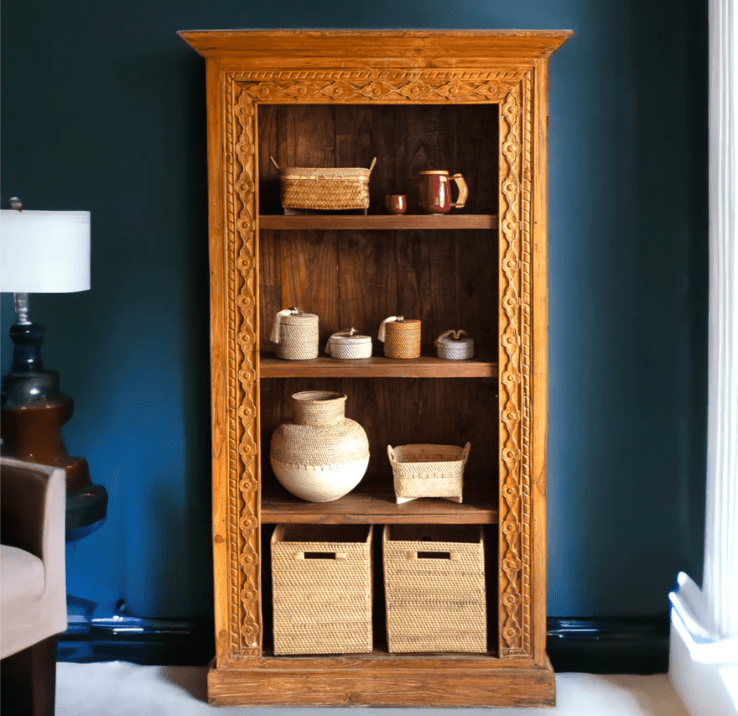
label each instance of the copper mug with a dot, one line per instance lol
(434, 192)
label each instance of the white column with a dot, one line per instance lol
(720, 583)
(703, 652)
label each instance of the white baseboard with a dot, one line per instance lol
(703, 670)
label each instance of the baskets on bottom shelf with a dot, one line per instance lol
(322, 589)
(434, 587)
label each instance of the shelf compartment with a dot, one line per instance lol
(377, 222)
(279, 507)
(376, 367)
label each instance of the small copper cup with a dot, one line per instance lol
(395, 203)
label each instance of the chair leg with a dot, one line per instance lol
(29, 680)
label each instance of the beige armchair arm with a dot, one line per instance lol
(32, 514)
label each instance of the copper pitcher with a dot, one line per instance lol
(434, 192)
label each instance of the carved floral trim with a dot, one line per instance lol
(243, 485)
(376, 86)
(514, 370)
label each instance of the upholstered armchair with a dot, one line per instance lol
(33, 608)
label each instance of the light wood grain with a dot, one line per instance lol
(418, 48)
(376, 508)
(425, 682)
(376, 367)
(378, 222)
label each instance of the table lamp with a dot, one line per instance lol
(44, 252)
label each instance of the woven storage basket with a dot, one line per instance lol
(322, 589)
(428, 471)
(324, 189)
(455, 345)
(401, 337)
(349, 345)
(296, 335)
(434, 588)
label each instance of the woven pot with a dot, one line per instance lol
(349, 345)
(455, 345)
(322, 455)
(296, 334)
(401, 337)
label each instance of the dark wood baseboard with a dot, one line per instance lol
(603, 645)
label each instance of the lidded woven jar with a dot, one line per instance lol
(296, 334)
(401, 337)
(322, 455)
(349, 345)
(455, 345)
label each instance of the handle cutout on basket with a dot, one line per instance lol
(321, 555)
(438, 555)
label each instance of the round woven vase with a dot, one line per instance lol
(322, 455)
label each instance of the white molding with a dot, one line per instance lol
(720, 582)
(703, 652)
(704, 671)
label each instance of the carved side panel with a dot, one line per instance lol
(515, 370)
(243, 480)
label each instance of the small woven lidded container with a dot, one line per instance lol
(428, 471)
(455, 345)
(324, 189)
(434, 588)
(401, 337)
(349, 345)
(296, 334)
(322, 589)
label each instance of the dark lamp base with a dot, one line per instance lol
(33, 412)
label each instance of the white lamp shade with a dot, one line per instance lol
(44, 251)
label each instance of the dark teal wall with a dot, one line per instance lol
(104, 109)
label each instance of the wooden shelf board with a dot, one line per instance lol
(375, 508)
(378, 221)
(375, 367)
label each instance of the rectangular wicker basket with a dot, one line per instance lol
(435, 589)
(324, 189)
(322, 589)
(428, 471)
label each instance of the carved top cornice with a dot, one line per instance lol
(241, 49)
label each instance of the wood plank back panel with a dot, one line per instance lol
(446, 279)
(405, 139)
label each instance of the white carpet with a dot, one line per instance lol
(122, 689)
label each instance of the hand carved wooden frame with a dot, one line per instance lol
(514, 92)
